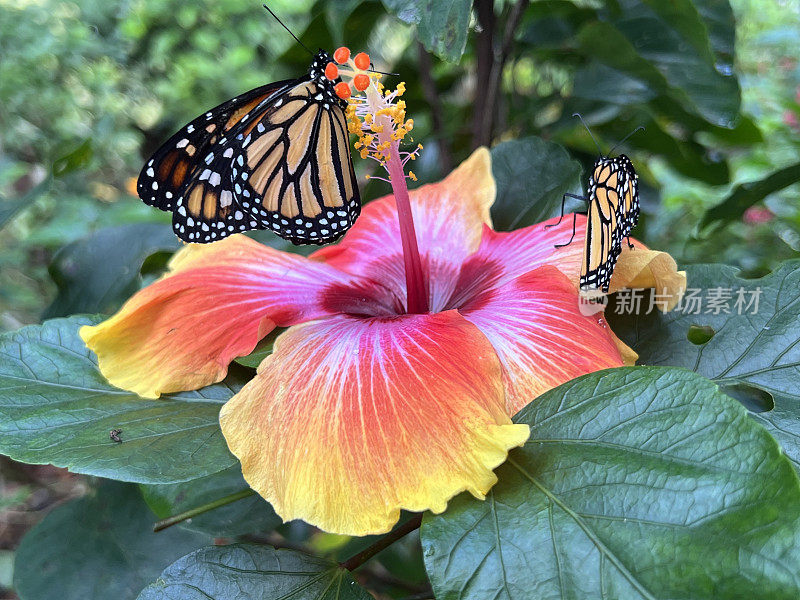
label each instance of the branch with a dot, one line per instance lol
(484, 50)
(199, 510)
(390, 538)
(432, 97)
(495, 77)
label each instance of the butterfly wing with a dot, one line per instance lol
(294, 173)
(603, 240)
(189, 174)
(629, 194)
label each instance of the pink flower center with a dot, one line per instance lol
(382, 295)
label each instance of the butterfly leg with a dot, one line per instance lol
(574, 217)
(631, 246)
(563, 200)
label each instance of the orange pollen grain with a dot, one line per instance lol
(361, 82)
(331, 71)
(342, 55)
(362, 61)
(342, 90)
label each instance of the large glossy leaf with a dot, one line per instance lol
(98, 547)
(532, 177)
(255, 573)
(748, 353)
(747, 194)
(247, 515)
(56, 407)
(667, 45)
(442, 25)
(637, 482)
(98, 273)
(720, 23)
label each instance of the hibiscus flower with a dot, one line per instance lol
(366, 407)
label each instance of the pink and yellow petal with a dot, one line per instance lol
(645, 268)
(543, 340)
(218, 301)
(351, 420)
(525, 249)
(449, 217)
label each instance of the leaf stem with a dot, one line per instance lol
(203, 508)
(390, 538)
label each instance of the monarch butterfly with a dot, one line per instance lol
(613, 199)
(276, 157)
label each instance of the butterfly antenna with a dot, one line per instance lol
(269, 10)
(623, 140)
(590, 133)
(373, 70)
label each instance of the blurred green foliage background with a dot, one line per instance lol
(99, 84)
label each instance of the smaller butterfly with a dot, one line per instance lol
(613, 199)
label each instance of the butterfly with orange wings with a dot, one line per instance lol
(276, 157)
(613, 199)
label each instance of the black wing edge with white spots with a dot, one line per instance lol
(629, 216)
(183, 165)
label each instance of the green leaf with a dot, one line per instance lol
(748, 194)
(98, 547)
(639, 482)
(532, 177)
(759, 350)
(9, 208)
(442, 25)
(248, 515)
(262, 350)
(666, 45)
(74, 160)
(56, 407)
(721, 25)
(602, 83)
(98, 273)
(255, 573)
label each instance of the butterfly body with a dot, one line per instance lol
(276, 157)
(613, 197)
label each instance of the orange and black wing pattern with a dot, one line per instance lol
(184, 175)
(295, 172)
(613, 213)
(276, 157)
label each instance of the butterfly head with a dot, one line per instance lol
(321, 60)
(324, 78)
